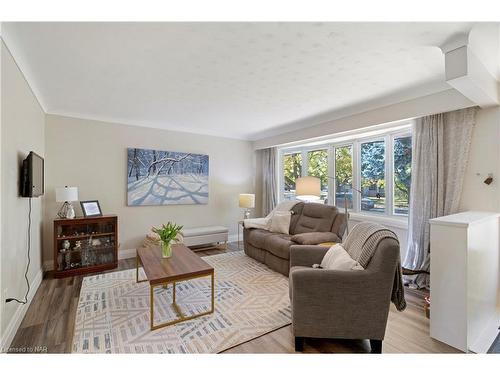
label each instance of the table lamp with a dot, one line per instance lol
(308, 188)
(67, 195)
(247, 201)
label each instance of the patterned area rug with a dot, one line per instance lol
(113, 310)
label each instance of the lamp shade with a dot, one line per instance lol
(247, 200)
(67, 194)
(307, 187)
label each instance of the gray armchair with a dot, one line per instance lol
(342, 304)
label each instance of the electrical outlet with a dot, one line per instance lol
(5, 293)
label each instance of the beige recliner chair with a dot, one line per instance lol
(345, 304)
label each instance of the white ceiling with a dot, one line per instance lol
(241, 80)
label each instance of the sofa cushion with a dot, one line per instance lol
(296, 212)
(315, 217)
(340, 224)
(279, 245)
(314, 238)
(280, 222)
(256, 237)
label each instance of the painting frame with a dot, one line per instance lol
(160, 177)
(91, 208)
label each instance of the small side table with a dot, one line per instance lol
(240, 224)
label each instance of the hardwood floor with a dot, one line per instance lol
(49, 322)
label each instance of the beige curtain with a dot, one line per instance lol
(439, 158)
(269, 184)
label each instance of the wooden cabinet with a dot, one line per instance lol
(85, 245)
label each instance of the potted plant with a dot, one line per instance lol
(168, 232)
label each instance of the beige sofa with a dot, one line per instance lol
(311, 224)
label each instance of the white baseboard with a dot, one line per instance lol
(48, 265)
(126, 253)
(130, 253)
(487, 337)
(18, 317)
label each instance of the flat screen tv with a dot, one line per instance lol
(32, 176)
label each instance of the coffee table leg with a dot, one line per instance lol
(174, 293)
(137, 263)
(152, 302)
(213, 293)
(182, 317)
(136, 268)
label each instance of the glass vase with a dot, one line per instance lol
(166, 249)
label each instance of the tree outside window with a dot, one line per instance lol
(402, 175)
(373, 176)
(292, 169)
(343, 176)
(317, 166)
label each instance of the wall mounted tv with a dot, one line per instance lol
(32, 176)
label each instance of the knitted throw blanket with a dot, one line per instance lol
(361, 244)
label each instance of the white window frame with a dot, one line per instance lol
(394, 136)
(387, 135)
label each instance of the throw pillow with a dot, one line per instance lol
(336, 258)
(280, 222)
(314, 238)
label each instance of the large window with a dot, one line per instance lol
(317, 166)
(292, 169)
(402, 175)
(370, 173)
(373, 176)
(343, 176)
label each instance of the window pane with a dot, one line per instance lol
(402, 175)
(343, 176)
(318, 167)
(292, 169)
(373, 176)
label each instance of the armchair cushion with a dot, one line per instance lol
(314, 238)
(306, 255)
(336, 258)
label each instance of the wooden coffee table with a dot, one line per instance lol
(183, 265)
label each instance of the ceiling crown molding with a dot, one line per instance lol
(466, 73)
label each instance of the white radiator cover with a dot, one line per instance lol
(465, 280)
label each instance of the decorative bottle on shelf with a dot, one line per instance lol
(67, 259)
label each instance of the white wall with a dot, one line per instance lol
(439, 102)
(92, 155)
(23, 123)
(484, 158)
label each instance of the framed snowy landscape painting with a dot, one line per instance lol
(166, 177)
